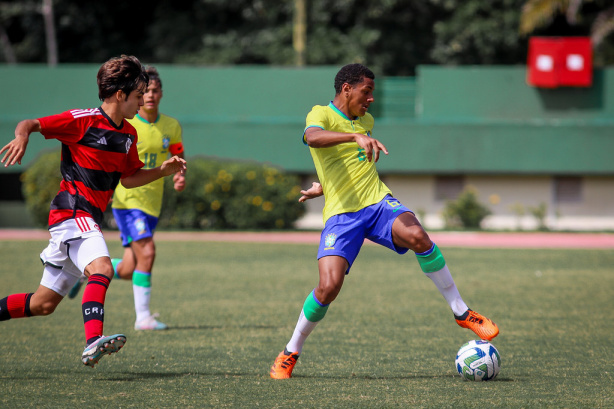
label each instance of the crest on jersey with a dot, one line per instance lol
(128, 144)
(166, 142)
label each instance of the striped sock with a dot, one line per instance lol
(15, 306)
(93, 306)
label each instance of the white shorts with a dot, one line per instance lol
(74, 244)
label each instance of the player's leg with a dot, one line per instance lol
(42, 302)
(340, 243)
(408, 232)
(89, 254)
(145, 254)
(332, 273)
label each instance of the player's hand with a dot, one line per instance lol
(179, 180)
(173, 165)
(314, 191)
(371, 146)
(15, 150)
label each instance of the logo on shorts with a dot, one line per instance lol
(139, 225)
(395, 204)
(329, 241)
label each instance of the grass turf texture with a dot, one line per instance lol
(389, 340)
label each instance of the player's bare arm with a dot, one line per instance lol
(319, 138)
(17, 147)
(145, 176)
(314, 191)
(179, 178)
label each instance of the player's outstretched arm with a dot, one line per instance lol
(144, 176)
(320, 138)
(15, 149)
(314, 191)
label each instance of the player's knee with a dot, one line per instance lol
(327, 292)
(44, 308)
(418, 240)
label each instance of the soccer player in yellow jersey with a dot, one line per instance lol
(359, 205)
(136, 211)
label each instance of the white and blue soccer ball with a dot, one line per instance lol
(478, 361)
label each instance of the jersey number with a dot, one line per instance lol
(150, 160)
(361, 154)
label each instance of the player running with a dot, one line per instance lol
(359, 205)
(136, 211)
(98, 148)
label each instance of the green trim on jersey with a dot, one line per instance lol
(350, 182)
(153, 143)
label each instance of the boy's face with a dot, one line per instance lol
(152, 97)
(360, 96)
(133, 101)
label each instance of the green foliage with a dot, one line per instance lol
(40, 183)
(540, 212)
(218, 195)
(232, 194)
(466, 211)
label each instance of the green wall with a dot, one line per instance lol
(447, 120)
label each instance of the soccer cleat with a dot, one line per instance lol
(150, 324)
(101, 347)
(75, 288)
(482, 326)
(283, 365)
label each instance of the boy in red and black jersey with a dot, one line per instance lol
(98, 149)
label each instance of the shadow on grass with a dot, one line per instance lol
(218, 327)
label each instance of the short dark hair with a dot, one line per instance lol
(125, 73)
(352, 74)
(153, 74)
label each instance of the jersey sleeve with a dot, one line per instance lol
(133, 163)
(63, 127)
(317, 118)
(176, 142)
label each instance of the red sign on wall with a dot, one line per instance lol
(560, 61)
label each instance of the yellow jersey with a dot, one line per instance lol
(153, 144)
(349, 181)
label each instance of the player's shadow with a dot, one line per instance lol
(218, 327)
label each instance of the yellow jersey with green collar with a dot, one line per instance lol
(153, 144)
(349, 181)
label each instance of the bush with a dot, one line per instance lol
(218, 195)
(232, 194)
(465, 211)
(39, 185)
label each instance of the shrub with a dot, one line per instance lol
(39, 185)
(465, 211)
(218, 195)
(232, 194)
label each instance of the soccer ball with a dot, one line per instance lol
(478, 361)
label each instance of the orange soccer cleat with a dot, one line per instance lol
(482, 326)
(283, 365)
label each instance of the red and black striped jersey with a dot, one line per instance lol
(96, 154)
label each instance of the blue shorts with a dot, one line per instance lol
(344, 234)
(134, 225)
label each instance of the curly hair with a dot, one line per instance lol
(125, 73)
(352, 74)
(153, 74)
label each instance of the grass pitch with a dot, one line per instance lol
(388, 341)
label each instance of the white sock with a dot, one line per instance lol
(142, 296)
(445, 284)
(301, 332)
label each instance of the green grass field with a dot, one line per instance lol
(388, 341)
